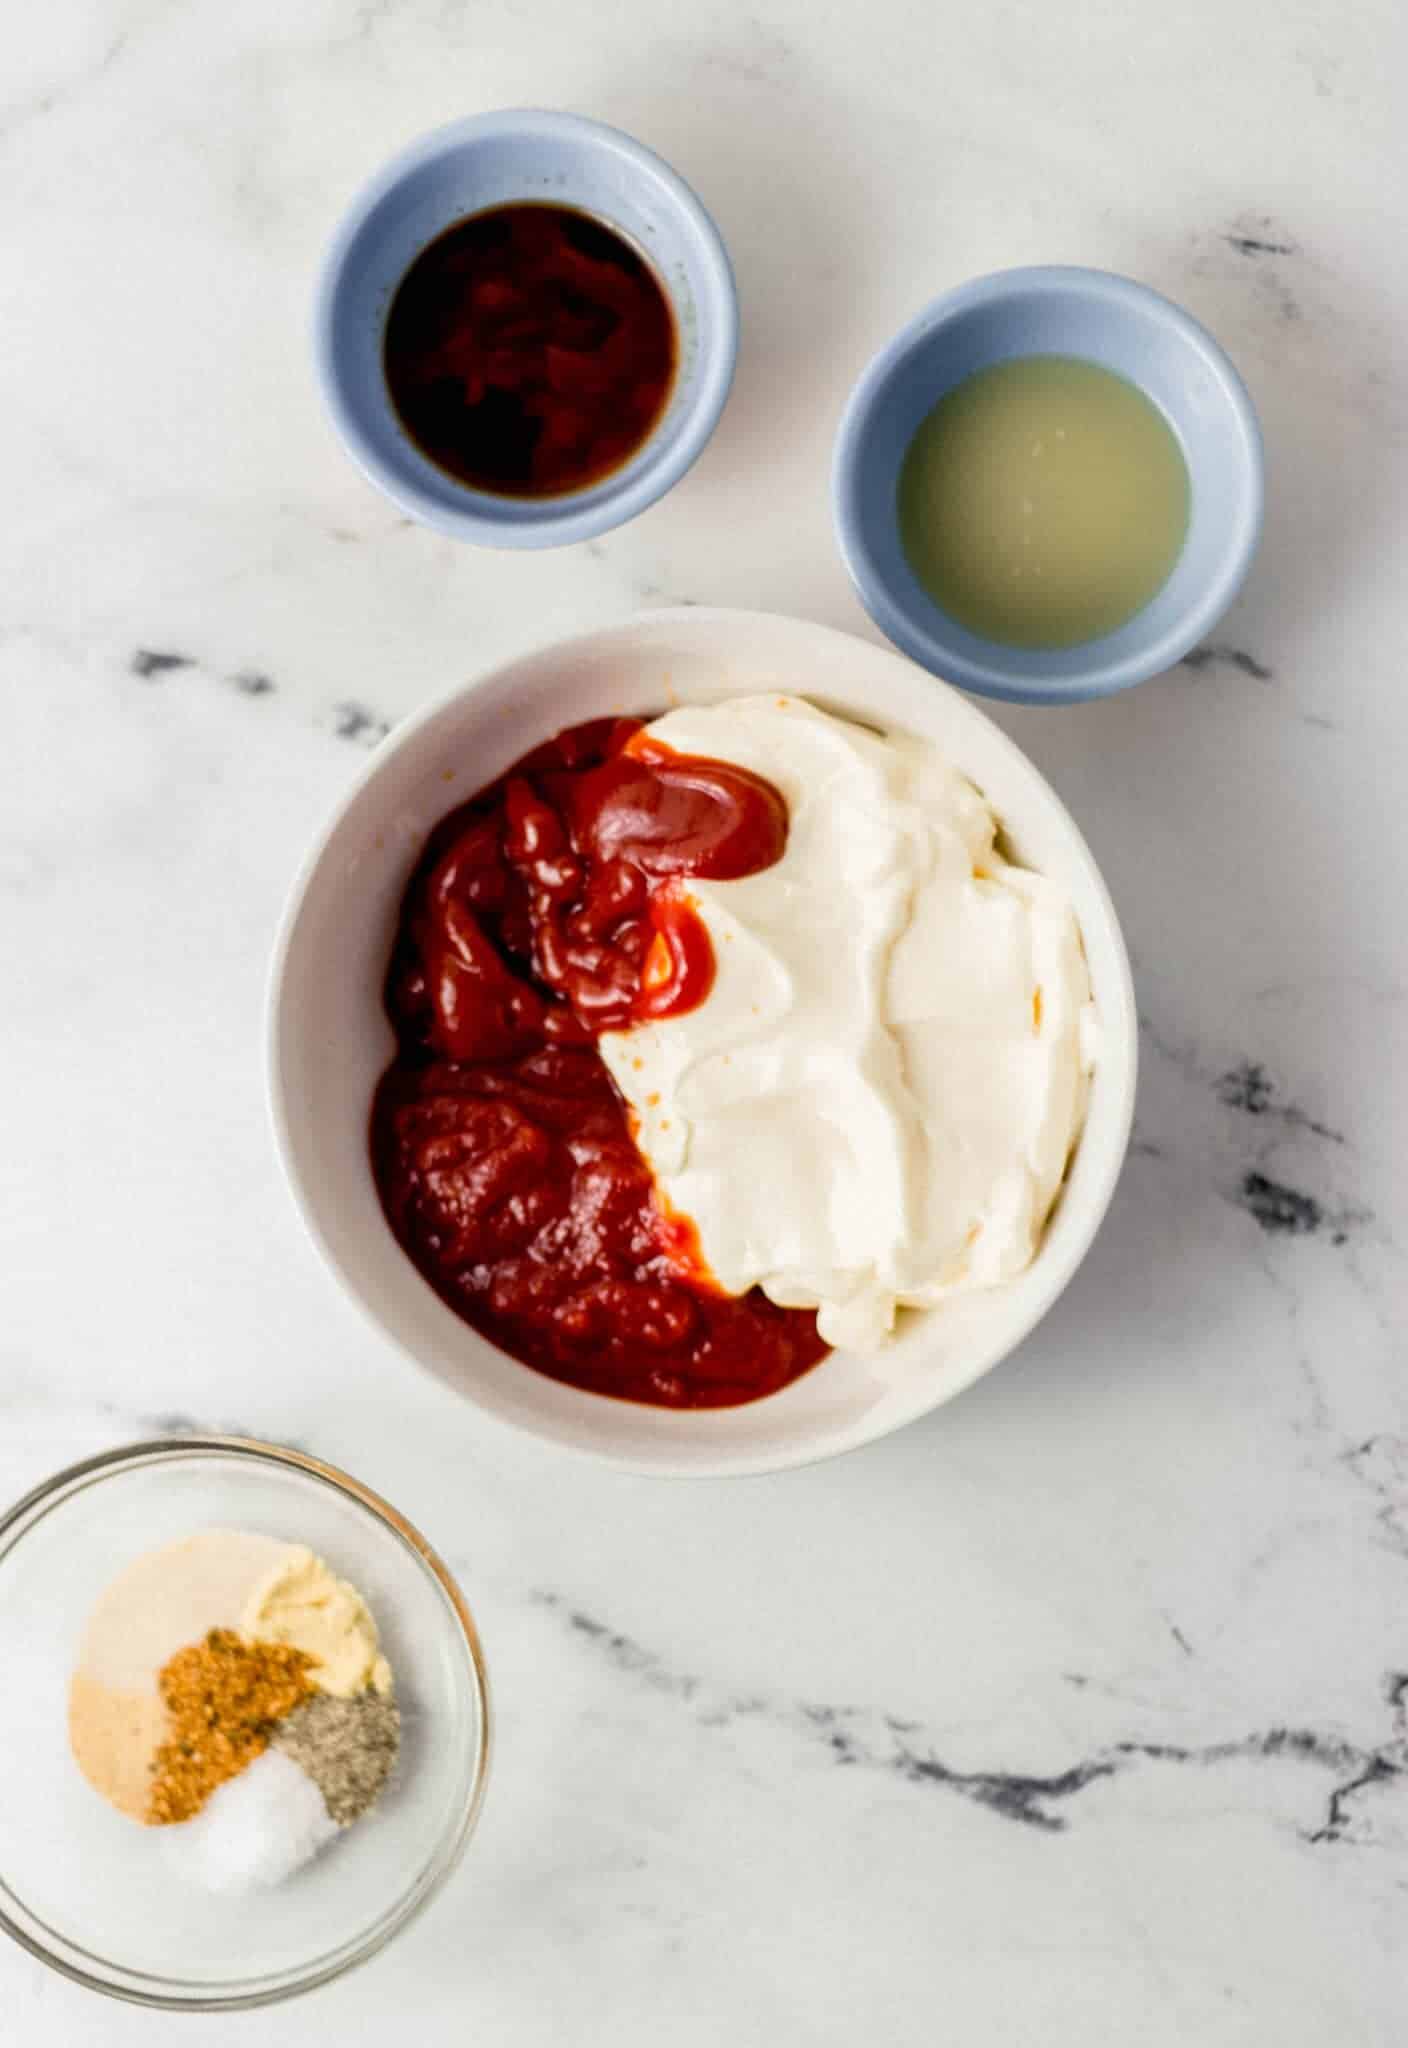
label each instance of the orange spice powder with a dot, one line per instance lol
(224, 1698)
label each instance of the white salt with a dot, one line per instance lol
(253, 1831)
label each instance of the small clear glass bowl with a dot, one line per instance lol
(88, 1890)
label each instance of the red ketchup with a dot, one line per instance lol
(551, 907)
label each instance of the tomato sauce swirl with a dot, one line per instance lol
(551, 907)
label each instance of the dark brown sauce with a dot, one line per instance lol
(529, 350)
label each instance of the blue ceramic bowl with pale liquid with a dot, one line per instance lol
(1123, 327)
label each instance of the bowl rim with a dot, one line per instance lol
(989, 675)
(139, 1987)
(574, 516)
(669, 1464)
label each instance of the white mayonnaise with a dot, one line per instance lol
(875, 1104)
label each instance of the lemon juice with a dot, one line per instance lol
(1043, 501)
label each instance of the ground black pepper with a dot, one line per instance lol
(347, 1747)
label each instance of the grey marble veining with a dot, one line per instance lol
(874, 1740)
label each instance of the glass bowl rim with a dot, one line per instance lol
(60, 1952)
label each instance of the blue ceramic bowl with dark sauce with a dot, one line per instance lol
(493, 160)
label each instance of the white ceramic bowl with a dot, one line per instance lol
(329, 1039)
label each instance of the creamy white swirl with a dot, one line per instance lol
(875, 1105)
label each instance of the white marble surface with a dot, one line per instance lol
(1078, 1713)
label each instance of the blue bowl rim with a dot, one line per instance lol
(990, 676)
(562, 520)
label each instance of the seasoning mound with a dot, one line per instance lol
(299, 1601)
(231, 1692)
(254, 1831)
(347, 1747)
(224, 1698)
